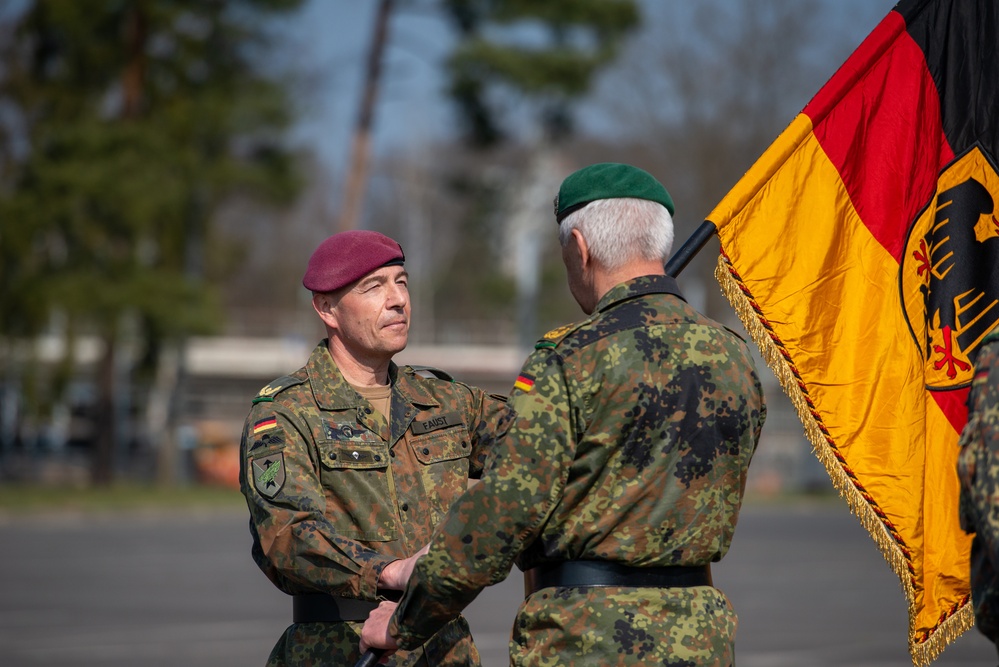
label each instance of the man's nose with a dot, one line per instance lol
(398, 296)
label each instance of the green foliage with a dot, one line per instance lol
(517, 60)
(547, 51)
(136, 121)
(558, 70)
(124, 127)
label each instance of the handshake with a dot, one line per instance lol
(375, 634)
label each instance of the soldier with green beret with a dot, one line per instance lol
(622, 476)
(978, 471)
(348, 463)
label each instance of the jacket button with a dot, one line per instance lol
(405, 507)
(378, 457)
(426, 452)
(332, 457)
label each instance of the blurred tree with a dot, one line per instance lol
(519, 64)
(546, 53)
(698, 97)
(357, 174)
(123, 127)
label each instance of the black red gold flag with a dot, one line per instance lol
(861, 254)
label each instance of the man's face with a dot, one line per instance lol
(372, 316)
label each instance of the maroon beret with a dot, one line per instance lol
(348, 256)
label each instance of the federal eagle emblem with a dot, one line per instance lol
(949, 274)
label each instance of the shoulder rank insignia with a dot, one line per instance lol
(552, 338)
(276, 387)
(431, 372)
(558, 332)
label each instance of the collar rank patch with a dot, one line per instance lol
(436, 423)
(268, 474)
(524, 383)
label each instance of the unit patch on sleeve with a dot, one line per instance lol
(268, 474)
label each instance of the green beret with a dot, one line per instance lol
(608, 180)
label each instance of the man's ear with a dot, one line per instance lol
(582, 247)
(325, 308)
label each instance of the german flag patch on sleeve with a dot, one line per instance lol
(524, 383)
(264, 425)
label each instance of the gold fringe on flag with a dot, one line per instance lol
(923, 650)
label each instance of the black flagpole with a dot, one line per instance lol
(370, 657)
(691, 247)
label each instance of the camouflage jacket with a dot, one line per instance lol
(632, 439)
(335, 494)
(978, 471)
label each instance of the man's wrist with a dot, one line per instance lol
(377, 575)
(387, 577)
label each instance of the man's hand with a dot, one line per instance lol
(375, 632)
(397, 573)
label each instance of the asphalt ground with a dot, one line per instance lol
(168, 589)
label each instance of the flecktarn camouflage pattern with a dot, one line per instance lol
(624, 626)
(978, 470)
(336, 492)
(633, 436)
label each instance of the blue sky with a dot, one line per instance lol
(331, 39)
(335, 37)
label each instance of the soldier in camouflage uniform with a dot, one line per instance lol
(348, 463)
(622, 477)
(978, 470)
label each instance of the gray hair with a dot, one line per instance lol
(621, 230)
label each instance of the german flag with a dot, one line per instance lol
(524, 382)
(264, 425)
(861, 254)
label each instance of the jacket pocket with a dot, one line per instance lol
(444, 469)
(355, 480)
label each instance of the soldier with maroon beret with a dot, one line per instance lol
(348, 463)
(622, 477)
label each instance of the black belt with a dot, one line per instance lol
(576, 573)
(322, 608)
